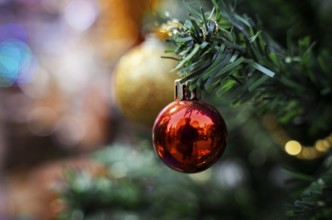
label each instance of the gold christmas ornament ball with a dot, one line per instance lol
(144, 81)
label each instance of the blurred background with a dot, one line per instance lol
(65, 69)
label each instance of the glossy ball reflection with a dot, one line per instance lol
(189, 135)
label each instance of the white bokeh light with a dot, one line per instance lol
(230, 174)
(81, 14)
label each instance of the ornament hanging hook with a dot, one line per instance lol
(182, 91)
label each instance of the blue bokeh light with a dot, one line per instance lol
(15, 57)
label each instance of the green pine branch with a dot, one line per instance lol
(136, 184)
(229, 55)
(315, 202)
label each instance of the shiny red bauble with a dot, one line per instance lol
(189, 135)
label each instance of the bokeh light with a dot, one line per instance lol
(322, 145)
(293, 147)
(15, 58)
(83, 20)
(230, 174)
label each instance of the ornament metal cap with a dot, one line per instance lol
(182, 91)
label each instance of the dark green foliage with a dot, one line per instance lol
(218, 46)
(131, 186)
(138, 186)
(229, 55)
(315, 202)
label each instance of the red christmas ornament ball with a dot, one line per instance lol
(189, 135)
